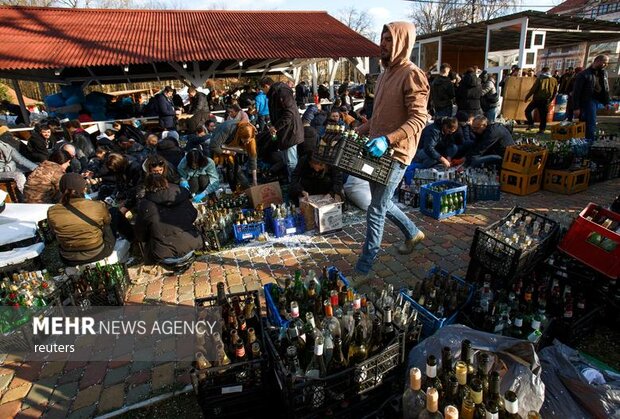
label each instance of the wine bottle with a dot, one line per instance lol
(511, 404)
(432, 405)
(339, 361)
(414, 399)
(431, 379)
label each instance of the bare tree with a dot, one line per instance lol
(36, 3)
(358, 20)
(440, 15)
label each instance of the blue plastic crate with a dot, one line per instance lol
(487, 192)
(273, 314)
(293, 224)
(247, 232)
(435, 199)
(431, 323)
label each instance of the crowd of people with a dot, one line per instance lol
(146, 180)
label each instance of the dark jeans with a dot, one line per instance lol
(262, 121)
(198, 184)
(543, 108)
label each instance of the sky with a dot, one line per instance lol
(381, 11)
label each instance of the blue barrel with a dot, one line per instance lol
(560, 107)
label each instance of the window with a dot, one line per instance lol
(558, 64)
(603, 9)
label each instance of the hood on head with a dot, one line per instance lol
(403, 39)
(170, 197)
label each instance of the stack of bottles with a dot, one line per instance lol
(439, 294)
(27, 292)
(521, 230)
(216, 226)
(460, 389)
(99, 285)
(285, 219)
(26, 289)
(241, 336)
(229, 201)
(449, 202)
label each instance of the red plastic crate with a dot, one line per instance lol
(593, 244)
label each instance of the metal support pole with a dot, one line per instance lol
(20, 99)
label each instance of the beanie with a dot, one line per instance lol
(73, 181)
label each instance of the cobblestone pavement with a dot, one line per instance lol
(78, 390)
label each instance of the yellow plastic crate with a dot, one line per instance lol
(566, 182)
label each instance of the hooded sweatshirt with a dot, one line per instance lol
(401, 96)
(544, 89)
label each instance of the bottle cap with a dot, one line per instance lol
(451, 412)
(415, 379)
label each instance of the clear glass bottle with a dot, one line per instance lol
(414, 399)
(432, 405)
(316, 368)
(339, 361)
(511, 404)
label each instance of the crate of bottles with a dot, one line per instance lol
(288, 221)
(514, 244)
(443, 199)
(101, 285)
(563, 131)
(432, 312)
(483, 192)
(357, 357)
(527, 159)
(519, 184)
(249, 226)
(28, 294)
(604, 153)
(566, 182)
(275, 300)
(594, 239)
(409, 196)
(230, 371)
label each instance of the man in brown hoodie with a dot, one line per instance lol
(399, 115)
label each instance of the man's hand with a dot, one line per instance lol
(272, 130)
(445, 162)
(377, 146)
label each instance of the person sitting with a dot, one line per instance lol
(245, 139)
(107, 139)
(199, 140)
(491, 142)
(165, 221)
(464, 137)
(198, 175)
(38, 143)
(168, 148)
(43, 184)
(96, 163)
(14, 166)
(312, 177)
(437, 143)
(81, 226)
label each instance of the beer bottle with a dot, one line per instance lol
(414, 399)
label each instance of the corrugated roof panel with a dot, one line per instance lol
(36, 38)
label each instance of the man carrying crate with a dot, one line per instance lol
(399, 115)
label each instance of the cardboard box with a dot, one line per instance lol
(514, 104)
(267, 194)
(323, 212)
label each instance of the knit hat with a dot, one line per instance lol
(308, 116)
(170, 134)
(73, 181)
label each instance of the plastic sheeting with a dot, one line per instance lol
(568, 393)
(520, 366)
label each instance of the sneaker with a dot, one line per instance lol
(407, 247)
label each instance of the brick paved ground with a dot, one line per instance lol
(79, 390)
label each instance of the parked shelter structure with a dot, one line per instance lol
(516, 39)
(103, 46)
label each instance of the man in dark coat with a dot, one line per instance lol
(437, 143)
(491, 142)
(469, 92)
(198, 101)
(442, 92)
(165, 109)
(38, 142)
(285, 119)
(591, 88)
(165, 221)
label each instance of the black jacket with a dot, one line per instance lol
(468, 94)
(442, 92)
(37, 147)
(304, 178)
(584, 88)
(169, 150)
(165, 223)
(493, 141)
(284, 116)
(165, 111)
(433, 141)
(311, 141)
(198, 103)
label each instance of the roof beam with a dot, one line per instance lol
(156, 72)
(211, 70)
(265, 63)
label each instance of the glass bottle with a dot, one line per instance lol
(432, 405)
(201, 361)
(240, 355)
(451, 394)
(316, 368)
(414, 399)
(446, 365)
(467, 408)
(222, 358)
(492, 411)
(388, 331)
(358, 351)
(511, 404)
(376, 339)
(467, 356)
(256, 352)
(485, 363)
(339, 361)
(494, 391)
(330, 322)
(461, 376)
(451, 412)
(293, 362)
(431, 379)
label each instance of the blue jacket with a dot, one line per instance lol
(165, 111)
(209, 170)
(262, 106)
(433, 139)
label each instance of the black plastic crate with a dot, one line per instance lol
(408, 197)
(238, 389)
(82, 294)
(350, 156)
(505, 260)
(569, 331)
(351, 393)
(604, 154)
(559, 161)
(483, 193)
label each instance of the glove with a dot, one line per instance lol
(377, 146)
(198, 198)
(184, 184)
